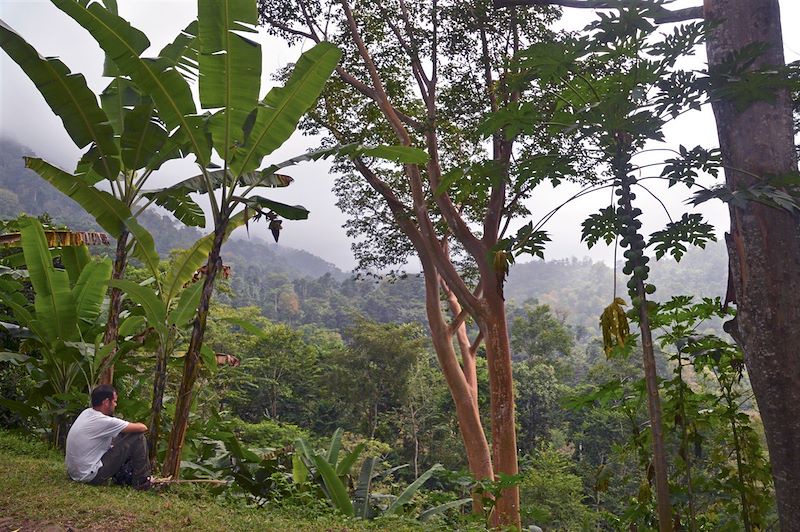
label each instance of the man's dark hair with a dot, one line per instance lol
(101, 393)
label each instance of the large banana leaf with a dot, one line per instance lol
(364, 488)
(74, 259)
(158, 78)
(197, 184)
(154, 309)
(187, 305)
(56, 313)
(282, 108)
(142, 136)
(132, 325)
(230, 68)
(335, 487)
(184, 266)
(108, 211)
(182, 51)
(412, 488)
(70, 99)
(180, 205)
(90, 290)
(344, 466)
(117, 99)
(332, 456)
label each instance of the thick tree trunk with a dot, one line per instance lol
(764, 242)
(114, 306)
(191, 366)
(501, 389)
(476, 446)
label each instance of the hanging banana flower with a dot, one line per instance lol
(614, 323)
(275, 227)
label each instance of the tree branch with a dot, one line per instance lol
(663, 16)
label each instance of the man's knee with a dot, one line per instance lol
(135, 437)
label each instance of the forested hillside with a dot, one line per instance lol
(295, 286)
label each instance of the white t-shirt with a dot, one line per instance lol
(88, 440)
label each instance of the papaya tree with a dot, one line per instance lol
(752, 88)
(612, 90)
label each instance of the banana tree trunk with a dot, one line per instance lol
(764, 243)
(159, 384)
(191, 365)
(114, 306)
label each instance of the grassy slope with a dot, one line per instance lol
(35, 494)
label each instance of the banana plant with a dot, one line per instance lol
(167, 304)
(229, 133)
(334, 474)
(63, 325)
(124, 139)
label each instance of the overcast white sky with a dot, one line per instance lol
(26, 118)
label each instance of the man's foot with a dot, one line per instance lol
(144, 486)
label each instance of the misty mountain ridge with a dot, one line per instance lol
(22, 190)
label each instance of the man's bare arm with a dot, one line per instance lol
(134, 428)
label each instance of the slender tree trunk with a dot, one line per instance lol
(191, 366)
(737, 447)
(764, 242)
(415, 432)
(159, 384)
(685, 446)
(114, 306)
(501, 389)
(654, 409)
(468, 365)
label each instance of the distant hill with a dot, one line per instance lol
(582, 288)
(300, 288)
(22, 190)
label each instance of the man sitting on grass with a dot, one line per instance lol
(101, 446)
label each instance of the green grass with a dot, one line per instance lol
(35, 493)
